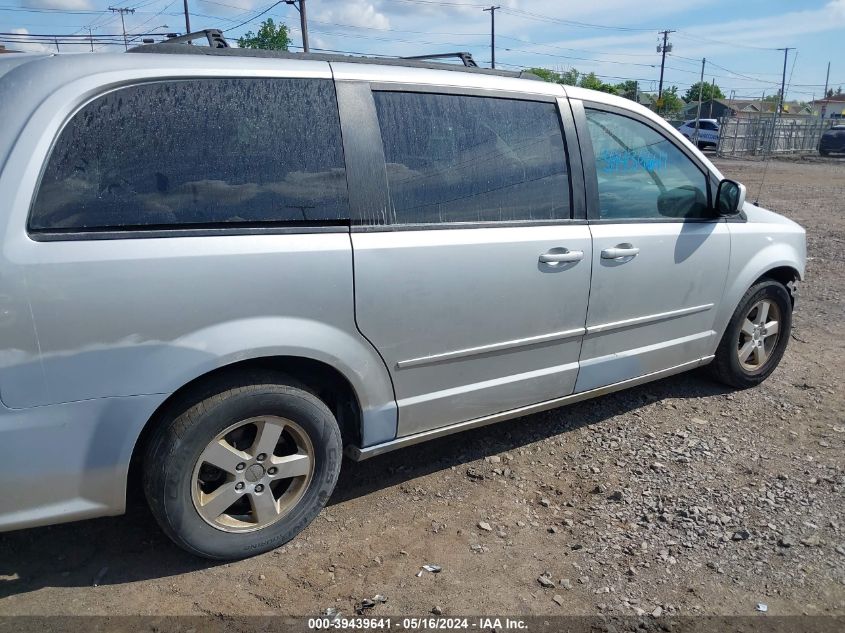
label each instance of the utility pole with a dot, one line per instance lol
(824, 94)
(700, 97)
(91, 37)
(303, 23)
(56, 39)
(187, 18)
(492, 10)
(783, 79)
(122, 11)
(299, 5)
(779, 109)
(665, 48)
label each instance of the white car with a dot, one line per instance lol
(708, 132)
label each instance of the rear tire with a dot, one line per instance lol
(756, 337)
(242, 471)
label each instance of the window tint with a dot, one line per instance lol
(707, 125)
(641, 174)
(195, 152)
(472, 159)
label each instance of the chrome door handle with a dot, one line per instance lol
(565, 256)
(621, 251)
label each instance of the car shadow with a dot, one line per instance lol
(131, 547)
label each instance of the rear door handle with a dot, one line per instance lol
(620, 251)
(561, 257)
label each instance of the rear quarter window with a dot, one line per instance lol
(201, 152)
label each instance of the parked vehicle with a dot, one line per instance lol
(833, 141)
(225, 269)
(708, 132)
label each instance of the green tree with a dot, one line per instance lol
(672, 103)
(627, 89)
(269, 37)
(573, 77)
(708, 91)
(567, 77)
(570, 77)
(594, 83)
(547, 75)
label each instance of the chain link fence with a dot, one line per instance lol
(768, 134)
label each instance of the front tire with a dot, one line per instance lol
(756, 337)
(244, 470)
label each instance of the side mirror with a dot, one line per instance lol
(730, 197)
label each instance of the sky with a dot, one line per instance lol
(616, 39)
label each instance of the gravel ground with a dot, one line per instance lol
(677, 497)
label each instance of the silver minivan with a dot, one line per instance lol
(227, 268)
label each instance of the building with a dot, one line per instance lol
(719, 108)
(832, 107)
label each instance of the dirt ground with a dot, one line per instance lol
(677, 497)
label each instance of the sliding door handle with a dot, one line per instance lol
(620, 251)
(561, 257)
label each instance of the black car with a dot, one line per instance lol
(833, 141)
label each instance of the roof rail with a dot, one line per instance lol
(231, 51)
(214, 36)
(465, 57)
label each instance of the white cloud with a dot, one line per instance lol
(229, 7)
(30, 47)
(836, 8)
(355, 13)
(609, 12)
(67, 5)
(777, 30)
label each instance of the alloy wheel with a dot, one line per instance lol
(252, 474)
(759, 335)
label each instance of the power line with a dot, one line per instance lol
(526, 14)
(82, 37)
(452, 33)
(253, 15)
(253, 18)
(64, 11)
(443, 4)
(584, 25)
(701, 38)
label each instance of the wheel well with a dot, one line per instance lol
(785, 275)
(323, 380)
